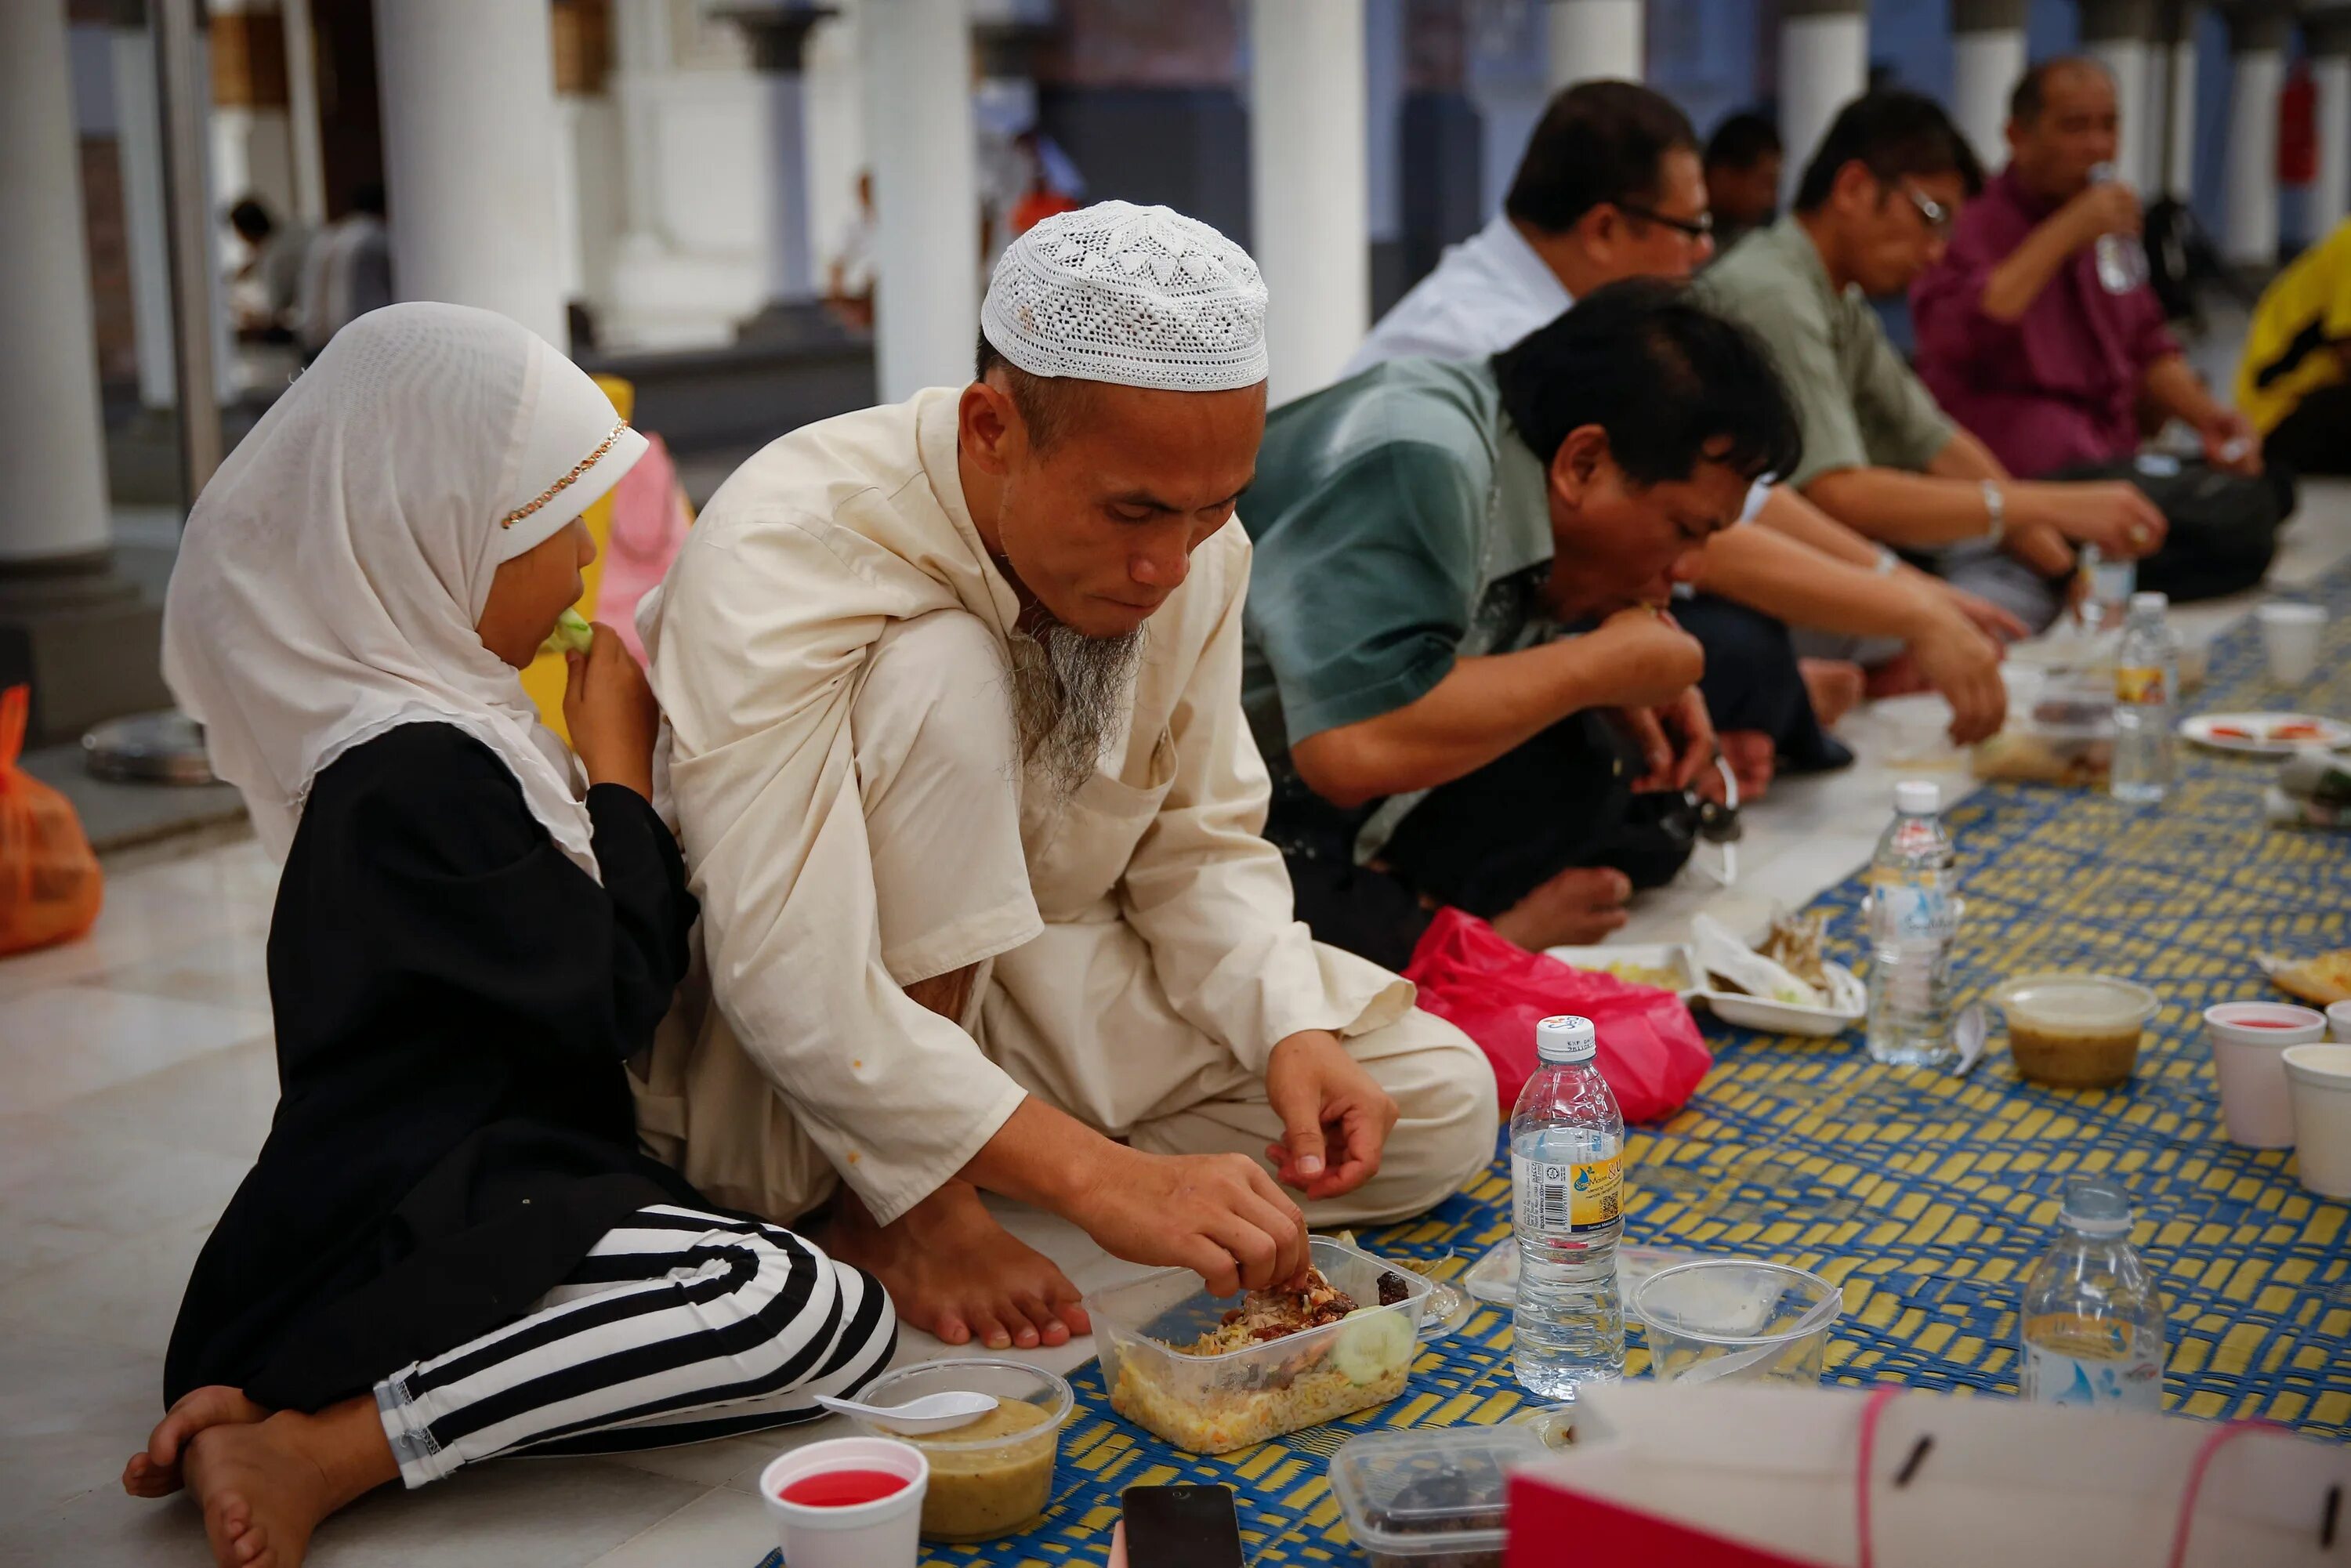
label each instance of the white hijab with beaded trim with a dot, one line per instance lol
(332, 574)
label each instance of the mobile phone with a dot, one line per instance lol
(1182, 1526)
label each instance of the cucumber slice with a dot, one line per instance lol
(1372, 1343)
(572, 634)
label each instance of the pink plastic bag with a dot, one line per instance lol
(1495, 991)
(650, 518)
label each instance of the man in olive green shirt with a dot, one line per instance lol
(1874, 209)
(1424, 533)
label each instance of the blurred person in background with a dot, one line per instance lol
(267, 289)
(848, 276)
(2057, 373)
(347, 273)
(1876, 208)
(1743, 159)
(2296, 381)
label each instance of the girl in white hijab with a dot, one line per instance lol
(451, 1247)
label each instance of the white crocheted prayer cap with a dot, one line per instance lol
(1141, 296)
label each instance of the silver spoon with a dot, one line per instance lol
(1969, 1029)
(930, 1412)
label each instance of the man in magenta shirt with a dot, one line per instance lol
(2019, 339)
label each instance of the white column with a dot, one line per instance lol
(52, 462)
(2179, 157)
(2328, 35)
(469, 155)
(2155, 91)
(918, 130)
(835, 109)
(2248, 234)
(1987, 59)
(302, 112)
(1598, 38)
(1823, 66)
(1310, 212)
(2115, 32)
(137, 150)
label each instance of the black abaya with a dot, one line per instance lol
(454, 999)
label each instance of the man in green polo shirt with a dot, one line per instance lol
(1873, 211)
(1424, 533)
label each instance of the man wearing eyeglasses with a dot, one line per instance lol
(1874, 209)
(1610, 186)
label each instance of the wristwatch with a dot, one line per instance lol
(1995, 509)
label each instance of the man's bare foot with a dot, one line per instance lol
(1899, 676)
(951, 1270)
(265, 1486)
(1835, 686)
(1579, 906)
(155, 1471)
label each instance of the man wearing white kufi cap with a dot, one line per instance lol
(959, 760)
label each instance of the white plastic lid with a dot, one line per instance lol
(2094, 1208)
(2148, 599)
(1917, 796)
(1566, 1038)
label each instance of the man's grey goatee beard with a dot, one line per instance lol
(1069, 694)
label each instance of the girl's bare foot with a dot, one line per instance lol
(155, 1472)
(951, 1270)
(263, 1486)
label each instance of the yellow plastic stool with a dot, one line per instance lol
(547, 673)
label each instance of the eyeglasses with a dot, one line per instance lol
(1937, 215)
(1700, 227)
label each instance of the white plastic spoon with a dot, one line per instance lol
(930, 1412)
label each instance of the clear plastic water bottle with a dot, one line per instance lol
(2111, 584)
(2092, 1319)
(1914, 885)
(2147, 684)
(2122, 258)
(1567, 1183)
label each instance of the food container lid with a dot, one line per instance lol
(1430, 1490)
(2075, 1000)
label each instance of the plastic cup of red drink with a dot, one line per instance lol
(849, 1502)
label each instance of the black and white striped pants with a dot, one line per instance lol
(679, 1327)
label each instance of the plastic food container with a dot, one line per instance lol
(1432, 1497)
(995, 1476)
(1213, 1403)
(2075, 1030)
(1736, 1319)
(880, 1533)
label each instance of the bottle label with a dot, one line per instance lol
(1909, 915)
(2052, 1378)
(1565, 1198)
(2139, 683)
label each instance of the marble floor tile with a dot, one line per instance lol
(133, 927)
(67, 1192)
(722, 1529)
(229, 971)
(124, 1294)
(69, 1041)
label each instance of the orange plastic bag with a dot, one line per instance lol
(50, 886)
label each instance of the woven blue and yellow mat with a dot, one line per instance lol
(1928, 1197)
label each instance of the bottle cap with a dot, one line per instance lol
(2094, 1208)
(2148, 598)
(1917, 796)
(1565, 1039)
